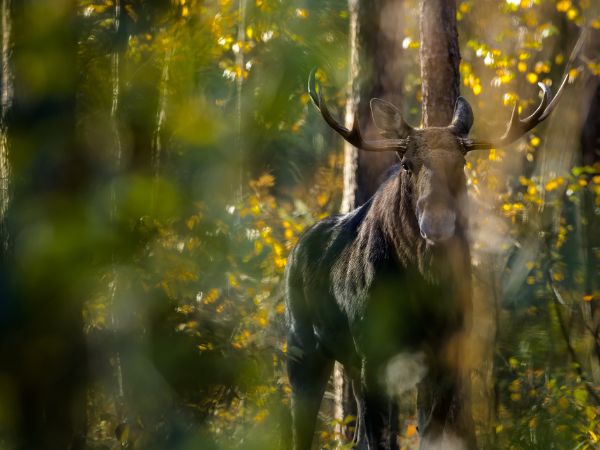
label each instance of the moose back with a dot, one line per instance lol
(391, 278)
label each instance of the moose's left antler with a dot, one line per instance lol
(518, 127)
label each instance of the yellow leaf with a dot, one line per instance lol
(532, 77)
(304, 98)
(563, 5)
(563, 402)
(302, 13)
(572, 75)
(322, 199)
(411, 430)
(509, 98)
(464, 7)
(122, 433)
(587, 298)
(533, 422)
(522, 66)
(558, 276)
(477, 89)
(266, 180)
(232, 280)
(572, 14)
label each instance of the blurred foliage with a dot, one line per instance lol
(208, 162)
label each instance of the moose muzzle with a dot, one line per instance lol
(437, 221)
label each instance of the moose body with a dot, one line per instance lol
(391, 278)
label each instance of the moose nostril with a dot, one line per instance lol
(437, 227)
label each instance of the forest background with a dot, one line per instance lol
(158, 161)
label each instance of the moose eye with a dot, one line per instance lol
(406, 166)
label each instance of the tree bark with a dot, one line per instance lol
(6, 101)
(375, 71)
(44, 335)
(440, 58)
(440, 77)
(590, 155)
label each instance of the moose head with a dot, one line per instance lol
(432, 159)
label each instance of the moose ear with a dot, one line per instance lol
(388, 119)
(462, 121)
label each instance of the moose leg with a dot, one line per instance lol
(360, 433)
(308, 372)
(442, 413)
(380, 415)
(394, 424)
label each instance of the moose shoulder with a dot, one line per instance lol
(390, 278)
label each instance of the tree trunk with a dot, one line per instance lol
(440, 57)
(375, 59)
(440, 77)
(239, 106)
(6, 100)
(590, 155)
(45, 339)
(115, 77)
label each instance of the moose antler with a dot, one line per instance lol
(518, 127)
(352, 136)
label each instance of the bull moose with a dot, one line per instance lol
(391, 278)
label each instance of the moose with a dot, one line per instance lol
(392, 278)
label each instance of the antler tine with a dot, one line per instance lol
(518, 127)
(352, 136)
(556, 98)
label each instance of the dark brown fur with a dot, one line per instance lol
(366, 286)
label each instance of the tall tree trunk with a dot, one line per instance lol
(375, 58)
(239, 88)
(440, 57)
(6, 100)
(115, 77)
(45, 271)
(590, 155)
(375, 71)
(440, 77)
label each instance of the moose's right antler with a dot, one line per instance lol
(352, 136)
